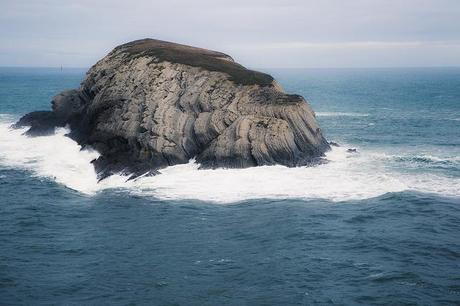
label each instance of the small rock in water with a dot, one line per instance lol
(352, 150)
(334, 144)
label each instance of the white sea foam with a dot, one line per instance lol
(57, 157)
(345, 177)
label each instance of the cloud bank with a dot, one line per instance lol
(328, 33)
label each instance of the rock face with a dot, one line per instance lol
(149, 104)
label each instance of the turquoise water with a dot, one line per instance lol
(379, 227)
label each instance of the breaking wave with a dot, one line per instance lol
(346, 176)
(421, 160)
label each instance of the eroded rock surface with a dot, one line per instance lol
(149, 104)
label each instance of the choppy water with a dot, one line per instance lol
(378, 227)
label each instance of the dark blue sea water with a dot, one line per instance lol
(379, 227)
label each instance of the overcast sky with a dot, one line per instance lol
(264, 34)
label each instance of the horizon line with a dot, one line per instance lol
(331, 67)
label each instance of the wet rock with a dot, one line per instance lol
(333, 144)
(40, 123)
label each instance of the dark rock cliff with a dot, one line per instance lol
(149, 104)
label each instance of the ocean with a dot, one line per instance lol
(377, 227)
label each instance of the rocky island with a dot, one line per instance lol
(150, 104)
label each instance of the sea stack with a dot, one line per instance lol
(150, 104)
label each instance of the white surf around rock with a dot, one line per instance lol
(346, 176)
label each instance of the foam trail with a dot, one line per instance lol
(345, 177)
(340, 114)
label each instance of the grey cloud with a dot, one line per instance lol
(306, 33)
